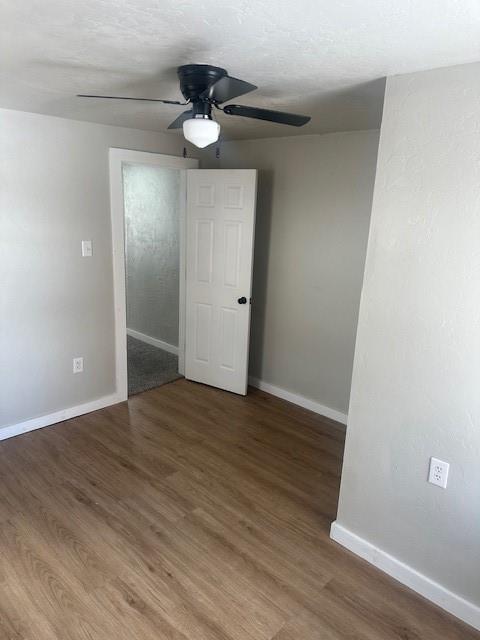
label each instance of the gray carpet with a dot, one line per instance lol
(149, 366)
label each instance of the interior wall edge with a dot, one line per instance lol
(407, 575)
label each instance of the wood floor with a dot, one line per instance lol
(190, 514)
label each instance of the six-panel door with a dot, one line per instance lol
(219, 250)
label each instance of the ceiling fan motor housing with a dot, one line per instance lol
(196, 78)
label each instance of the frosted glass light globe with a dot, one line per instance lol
(201, 131)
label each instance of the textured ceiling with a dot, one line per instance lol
(325, 58)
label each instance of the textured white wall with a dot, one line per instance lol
(416, 380)
(314, 202)
(152, 243)
(54, 304)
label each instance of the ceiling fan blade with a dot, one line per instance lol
(83, 95)
(178, 122)
(227, 88)
(292, 119)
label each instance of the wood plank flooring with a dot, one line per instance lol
(190, 514)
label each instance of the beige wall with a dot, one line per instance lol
(313, 215)
(416, 380)
(54, 304)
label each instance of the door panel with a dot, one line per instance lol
(203, 320)
(220, 231)
(228, 338)
(204, 250)
(232, 252)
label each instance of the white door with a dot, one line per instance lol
(219, 239)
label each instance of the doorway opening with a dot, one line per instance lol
(152, 196)
(148, 194)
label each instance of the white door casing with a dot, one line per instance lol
(219, 256)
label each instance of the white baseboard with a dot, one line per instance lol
(155, 342)
(306, 403)
(59, 416)
(451, 602)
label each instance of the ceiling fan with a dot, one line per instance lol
(205, 87)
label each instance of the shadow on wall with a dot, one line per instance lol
(260, 268)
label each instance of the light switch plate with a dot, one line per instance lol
(87, 249)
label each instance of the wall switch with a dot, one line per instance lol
(438, 473)
(87, 249)
(78, 365)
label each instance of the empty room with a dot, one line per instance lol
(239, 320)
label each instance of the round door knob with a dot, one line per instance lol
(242, 300)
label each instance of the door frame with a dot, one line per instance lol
(117, 158)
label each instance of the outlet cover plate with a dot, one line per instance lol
(438, 473)
(78, 365)
(87, 249)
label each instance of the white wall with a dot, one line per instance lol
(152, 243)
(54, 304)
(416, 380)
(313, 214)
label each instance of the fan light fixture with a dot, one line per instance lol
(201, 130)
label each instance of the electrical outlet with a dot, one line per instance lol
(438, 473)
(78, 365)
